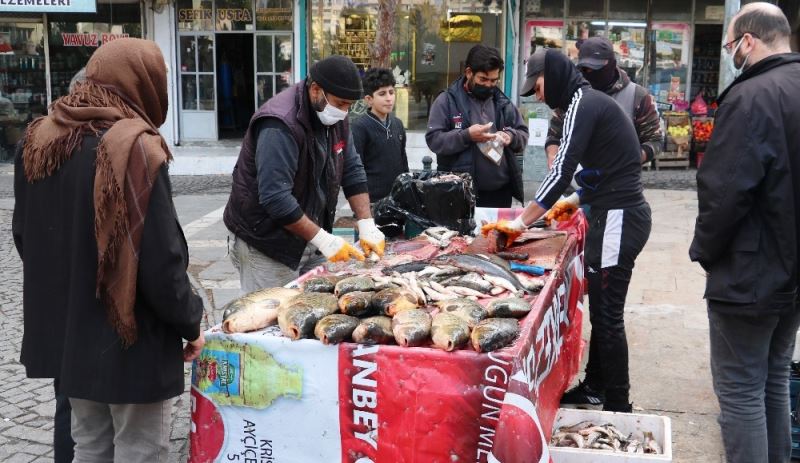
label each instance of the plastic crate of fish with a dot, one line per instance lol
(627, 424)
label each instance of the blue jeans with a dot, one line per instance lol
(750, 361)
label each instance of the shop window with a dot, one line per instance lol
(544, 8)
(274, 15)
(580, 30)
(669, 66)
(234, 15)
(23, 95)
(195, 15)
(426, 47)
(273, 65)
(587, 8)
(197, 72)
(543, 34)
(627, 9)
(74, 37)
(709, 10)
(675, 10)
(628, 40)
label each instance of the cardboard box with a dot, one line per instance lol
(660, 426)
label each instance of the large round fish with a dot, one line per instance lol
(335, 328)
(356, 303)
(255, 310)
(374, 330)
(411, 327)
(356, 283)
(300, 315)
(449, 332)
(466, 309)
(494, 333)
(506, 307)
(323, 284)
(393, 300)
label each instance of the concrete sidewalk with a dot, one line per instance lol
(667, 329)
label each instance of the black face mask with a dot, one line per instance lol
(602, 79)
(482, 92)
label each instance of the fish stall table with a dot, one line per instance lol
(261, 397)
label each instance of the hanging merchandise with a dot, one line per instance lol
(699, 107)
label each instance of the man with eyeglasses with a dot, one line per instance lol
(598, 64)
(473, 127)
(747, 236)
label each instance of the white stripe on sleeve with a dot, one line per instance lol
(556, 171)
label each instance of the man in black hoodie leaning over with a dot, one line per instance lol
(747, 236)
(599, 135)
(474, 128)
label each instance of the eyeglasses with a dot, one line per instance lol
(729, 46)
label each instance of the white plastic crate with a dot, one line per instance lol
(626, 423)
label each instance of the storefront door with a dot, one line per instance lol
(198, 103)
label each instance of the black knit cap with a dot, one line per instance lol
(337, 75)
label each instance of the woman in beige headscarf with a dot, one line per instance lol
(106, 296)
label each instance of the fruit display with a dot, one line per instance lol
(679, 131)
(702, 130)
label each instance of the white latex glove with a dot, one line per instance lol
(517, 225)
(334, 248)
(573, 200)
(371, 239)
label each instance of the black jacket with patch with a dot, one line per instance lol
(448, 134)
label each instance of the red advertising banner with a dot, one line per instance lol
(307, 402)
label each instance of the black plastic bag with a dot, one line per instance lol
(428, 199)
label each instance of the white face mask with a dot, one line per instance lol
(738, 70)
(331, 114)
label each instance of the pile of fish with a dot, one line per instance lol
(587, 435)
(447, 301)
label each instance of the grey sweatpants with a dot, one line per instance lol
(121, 433)
(750, 357)
(257, 271)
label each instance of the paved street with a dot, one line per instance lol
(667, 326)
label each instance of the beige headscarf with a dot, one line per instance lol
(125, 93)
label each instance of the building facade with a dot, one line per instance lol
(227, 57)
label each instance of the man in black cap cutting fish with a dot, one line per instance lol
(599, 135)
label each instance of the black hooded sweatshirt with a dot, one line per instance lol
(598, 135)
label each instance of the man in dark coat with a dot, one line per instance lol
(106, 298)
(474, 128)
(602, 138)
(747, 236)
(296, 155)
